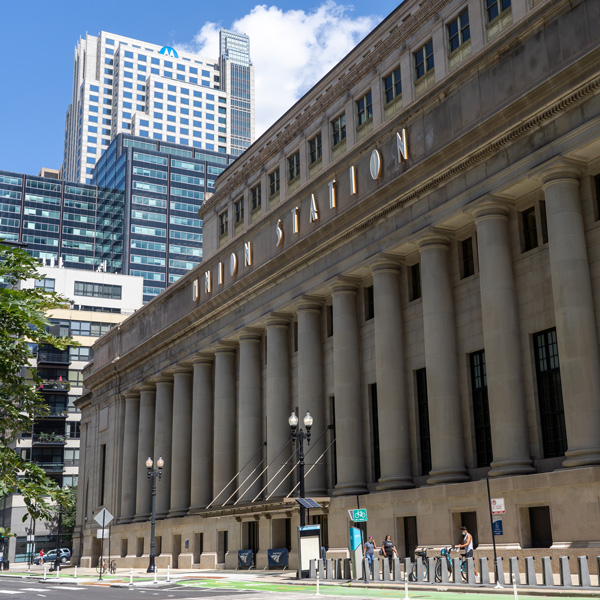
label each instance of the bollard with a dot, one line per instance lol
(347, 569)
(565, 572)
(444, 564)
(420, 570)
(584, 572)
(397, 570)
(407, 568)
(329, 569)
(57, 569)
(456, 574)
(500, 573)
(321, 568)
(45, 572)
(530, 576)
(75, 575)
(514, 582)
(406, 586)
(337, 566)
(548, 578)
(131, 578)
(155, 576)
(317, 572)
(514, 569)
(376, 569)
(168, 573)
(471, 571)
(312, 569)
(484, 571)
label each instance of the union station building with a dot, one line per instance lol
(412, 254)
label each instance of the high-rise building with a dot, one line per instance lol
(139, 216)
(122, 85)
(98, 301)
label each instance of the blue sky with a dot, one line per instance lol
(39, 37)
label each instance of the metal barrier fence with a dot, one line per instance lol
(458, 574)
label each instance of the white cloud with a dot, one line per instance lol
(291, 50)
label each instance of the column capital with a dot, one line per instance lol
(184, 369)
(251, 335)
(558, 168)
(147, 386)
(226, 348)
(345, 285)
(489, 207)
(131, 395)
(386, 262)
(278, 320)
(310, 304)
(162, 379)
(203, 358)
(434, 239)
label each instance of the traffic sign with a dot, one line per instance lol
(498, 506)
(497, 526)
(103, 518)
(102, 534)
(358, 515)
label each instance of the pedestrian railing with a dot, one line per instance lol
(424, 572)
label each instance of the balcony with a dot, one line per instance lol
(53, 385)
(48, 439)
(56, 412)
(52, 467)
(53, 356)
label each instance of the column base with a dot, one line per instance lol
(500, 468)
(350, 489)
(178, 512)
(160, 516)
(582, 458)
(395, 483)
(447, 476)
(140, 518)
(125, 520)
(194, 510)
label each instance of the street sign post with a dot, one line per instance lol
(103, 518)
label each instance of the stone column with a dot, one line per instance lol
(441, 361)
(278, 404)
(349, 420)
(310, 391)
(202, 434)
(576, 329)
(250, 436)
(143, 497)
(181, 442)
(225, 424)
(501, 340)
(392, 413)
(163, 429)
(130, 456)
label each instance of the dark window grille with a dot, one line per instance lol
(375, 422)
(423, 410)
(481, 410)
(415, 281)
(369, 303)
(530, 240)
(552, 412)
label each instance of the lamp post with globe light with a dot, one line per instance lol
(153, 474)
(300, 435)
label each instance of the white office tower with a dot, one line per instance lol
(122, 85)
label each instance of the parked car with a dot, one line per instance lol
(50, 557)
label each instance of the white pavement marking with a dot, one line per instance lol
(65, 587)
(10, 592)
(32, 589)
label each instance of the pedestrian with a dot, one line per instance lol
(389, 550)
(370, 548)
(42, 556)
(468, 544)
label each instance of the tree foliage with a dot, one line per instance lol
(24, 320)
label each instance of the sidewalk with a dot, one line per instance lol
(285, 581)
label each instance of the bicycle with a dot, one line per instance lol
(422, 554)
(102, 567)
(445, 555)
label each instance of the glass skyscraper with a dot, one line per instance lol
(122, 85)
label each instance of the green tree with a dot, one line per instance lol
(24, 320)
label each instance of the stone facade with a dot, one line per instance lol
(422, 275)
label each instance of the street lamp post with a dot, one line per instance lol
(301, 436)
(153, 474)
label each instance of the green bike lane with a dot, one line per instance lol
(348, 590)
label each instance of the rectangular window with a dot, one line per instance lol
(414, 283)
(552, 412)
(97, 290)
(530, 240)
(495, 7)
(392, 86)
(369, 303)
(338, 130)
(255, 197)
(274, 182)
(45, 284)
(467, 258)
(423, 60)
(223, 223)
(375, 432)
(294, 166)
(458, 31)
(239, 210)
(329, 316)
(315, 148)
(544, 222)
(423, 415)
(364, 109)
(481, 411)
